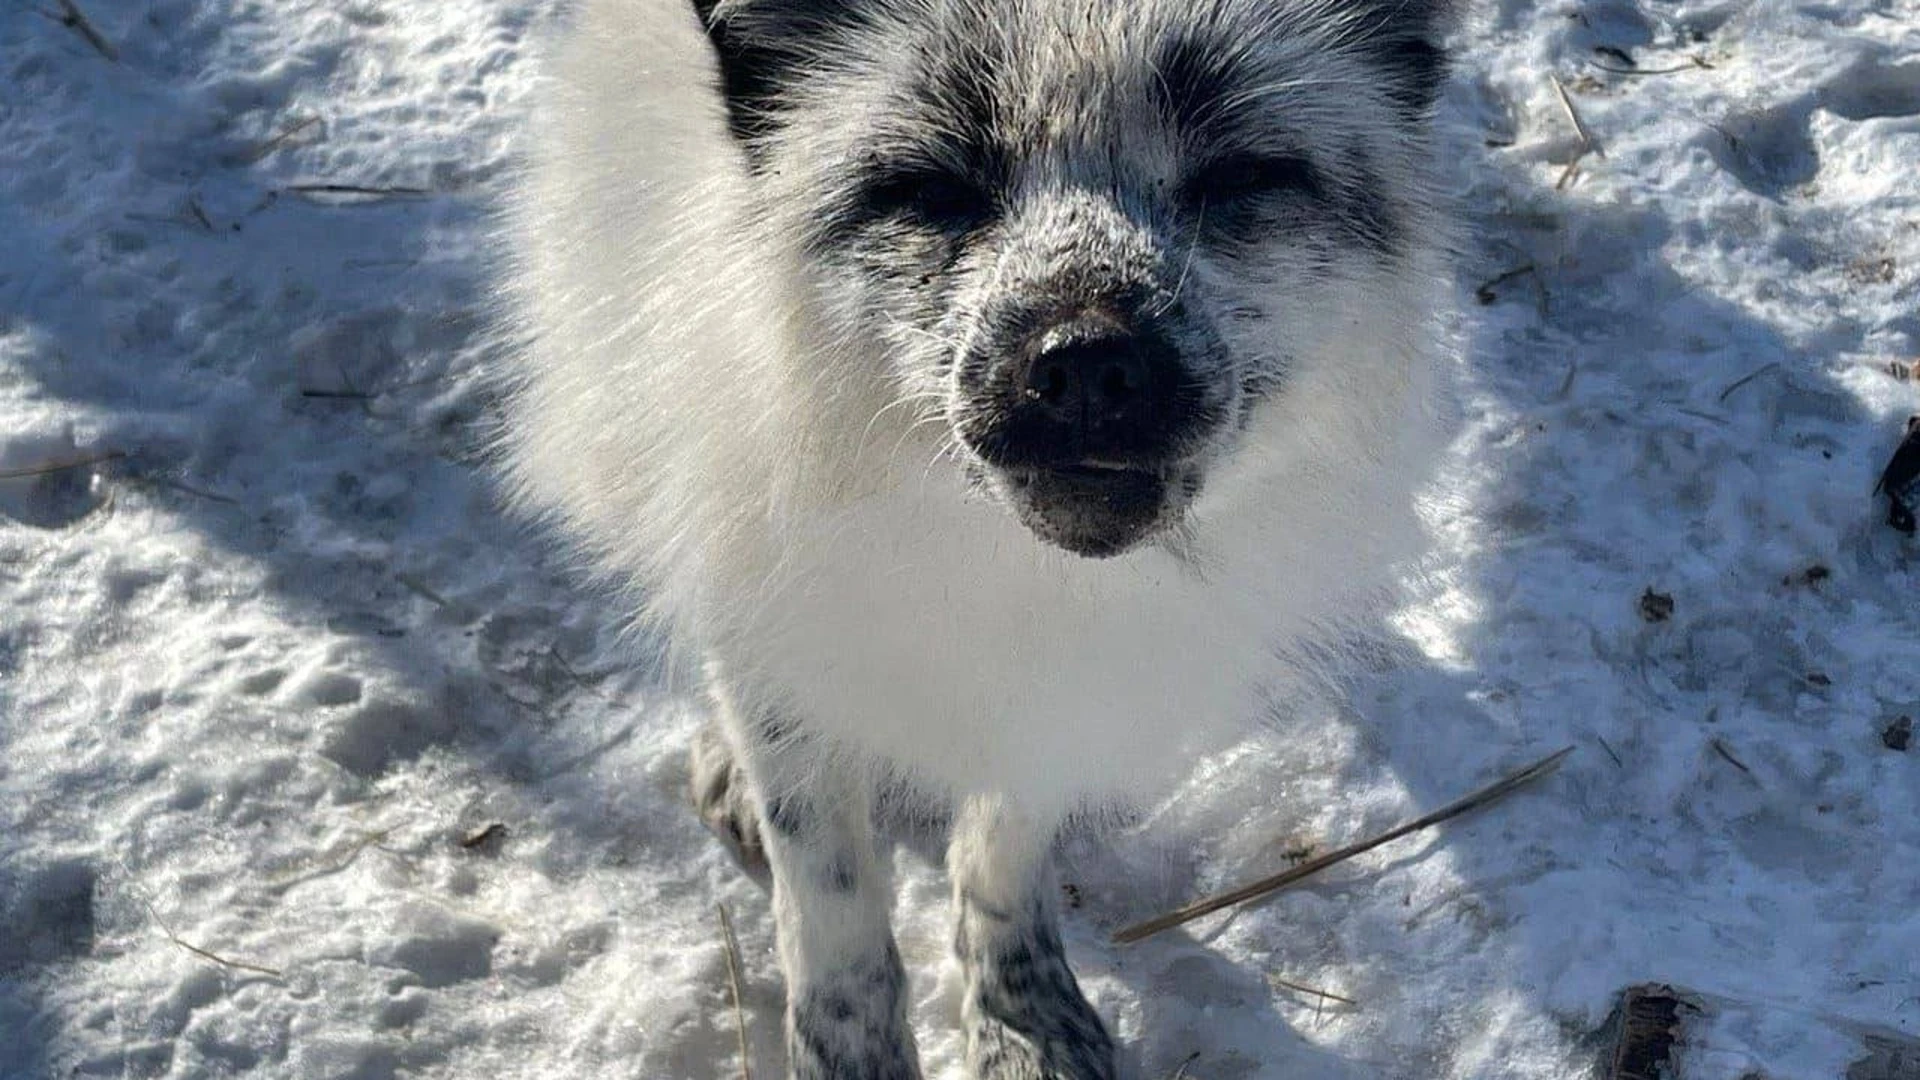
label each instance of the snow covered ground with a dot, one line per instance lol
(273, 654)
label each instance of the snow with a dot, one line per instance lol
(262, 674)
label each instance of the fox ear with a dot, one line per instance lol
(762, 46)
(1403, 37)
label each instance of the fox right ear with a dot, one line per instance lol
(1404, 39)
(763, 46)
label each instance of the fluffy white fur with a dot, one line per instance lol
(699, 418)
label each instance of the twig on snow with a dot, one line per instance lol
(1573, 116)
(199, 213)
(74, 19)
(365, 190)
(1720, 747)
(287, 134)
(1604, 745)
(62, 465)
(1311, 991)
(347, 857)
(337, 395)
(420, 588)
(189, 489)
(1588, 144)
(1747, 378)
(1694, 63)
(1488, 292)
(733, 984)
(1211, 904)
(205, 954)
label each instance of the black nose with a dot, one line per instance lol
(1087, 380)
(1097, 388)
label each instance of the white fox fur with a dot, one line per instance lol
(703, 430)
(711, 407)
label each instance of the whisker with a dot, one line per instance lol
(1199, 224)
(947, 446)
(910, 398)
(940, 339)
(924, 421)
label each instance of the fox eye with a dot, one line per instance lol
(937, 200)
(1251, 178)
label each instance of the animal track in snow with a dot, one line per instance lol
(1768, 150)
(48, 912)
(328, 688)
(1872, 91)
(1772, 150)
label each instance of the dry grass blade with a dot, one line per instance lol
(1720, 747)
(361, 191)
(1695, 63)
(199, 214)
(189, 489)
(1747, 378)
(76, 20)
(422, 589)
(204, 954)
(733, 984)
(339, 860)
(1592, 144)
(1264, 886)
(1588, 144)
(1311, 991)
(61, 466)
(287, 134)
(1572, 170)
(239, 965)
(1488, 292)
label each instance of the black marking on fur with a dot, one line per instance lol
(789, 815)
(935, 164)
(950, 202)
(1025, 1016)
(1402, 45)
(1419, 69)
(1242, 201)
(841, 873)
(1227, 182)
(1200, 76)
(760, 46)
(1260, 385)
(773, 729)
(846, 1002)
(933, 199)
(1364, 211)
(955, 96)
(851, 1025)
(1192, 81)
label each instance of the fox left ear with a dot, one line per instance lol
(760, 46)
(1404, 37)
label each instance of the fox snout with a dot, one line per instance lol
(1094, 388)
(1090, 386)
(1092, 416)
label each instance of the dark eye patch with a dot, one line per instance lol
(1245, 182)
(926, 196)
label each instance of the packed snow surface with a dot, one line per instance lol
(269, 652)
